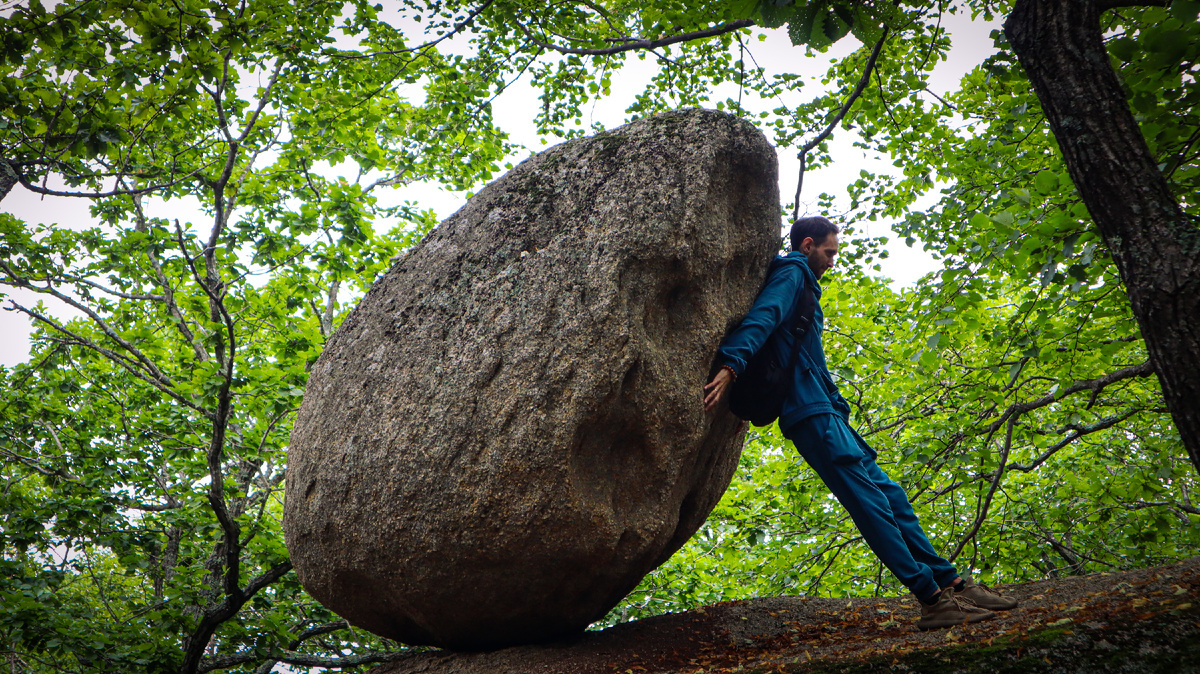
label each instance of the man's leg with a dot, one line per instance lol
(830, 447)
(910, 527)
(902, 512)
(918, 543)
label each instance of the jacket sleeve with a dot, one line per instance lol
(769, 310)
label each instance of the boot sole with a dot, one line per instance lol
(1008, 605)
(944, 623)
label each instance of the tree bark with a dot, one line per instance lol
(8, 178)
(1155, 245)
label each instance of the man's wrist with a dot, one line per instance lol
(732, 372)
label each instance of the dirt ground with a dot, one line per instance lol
(1146, 620)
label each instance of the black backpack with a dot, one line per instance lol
(757, 394)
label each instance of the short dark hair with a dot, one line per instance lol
(816, 227)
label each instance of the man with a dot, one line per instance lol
(815, 418)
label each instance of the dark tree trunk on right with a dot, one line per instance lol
(8, 178)
(1155, 245)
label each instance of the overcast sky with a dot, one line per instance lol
(514, 111)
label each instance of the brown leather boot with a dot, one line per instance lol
(948, 612)
(983, 596)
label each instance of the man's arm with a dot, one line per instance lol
(772, 304)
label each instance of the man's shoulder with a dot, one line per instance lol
(790, 264)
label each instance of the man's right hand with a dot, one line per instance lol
(714, 391)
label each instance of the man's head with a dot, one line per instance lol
(816, 237)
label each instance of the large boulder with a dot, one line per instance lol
(507, 433)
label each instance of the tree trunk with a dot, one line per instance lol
(8, 178)
(1155, 246)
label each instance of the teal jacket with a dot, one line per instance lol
(813, 390)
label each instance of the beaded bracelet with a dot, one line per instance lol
(731, 370)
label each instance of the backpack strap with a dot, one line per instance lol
(802, 321)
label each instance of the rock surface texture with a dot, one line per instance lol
(507, 433)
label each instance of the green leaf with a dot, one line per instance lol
(1174, 45)
(801, 24)
(745, 9)
(775, 13)
(1186, 11)
(1124, 48)
(1046, 182)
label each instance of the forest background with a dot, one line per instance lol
(245, 166)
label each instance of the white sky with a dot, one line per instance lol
(514, 111)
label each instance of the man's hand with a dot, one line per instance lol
(714, 391)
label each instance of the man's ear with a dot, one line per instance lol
(807, 244)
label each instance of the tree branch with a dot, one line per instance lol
(1094, 385)
(858, 89)
(1141, 505)
(38, 189)
(22, 282)
(269, 665)
(115, 357)
(432, 43)
(1108, 422)
(180, 321)
(39, 467)
(640, 43)
(197, 643)
(8, 178)
(1114, 4)
(115, 293)
(987, 501)
(305, 660)
(262, 102)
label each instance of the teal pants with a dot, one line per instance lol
(878, 506)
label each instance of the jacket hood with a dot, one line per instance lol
(800, 260)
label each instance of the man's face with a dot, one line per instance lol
(820, 255)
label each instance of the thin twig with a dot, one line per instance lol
(858, 89)
(457, 28)
(640, 43)
(987, 501)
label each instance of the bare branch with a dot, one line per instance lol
(1094, 385)
(422, 47)
(22, 282)
(987, 501)
(858, 89)
(115, 357)
(641, 43)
